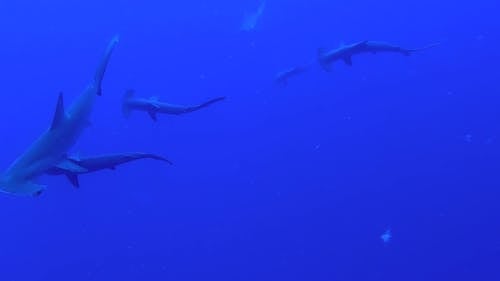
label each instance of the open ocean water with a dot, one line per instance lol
(324, 157)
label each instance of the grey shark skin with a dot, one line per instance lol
(102, 162)
(51, 147)
(283, 76)
(345, 52)
(153, 106)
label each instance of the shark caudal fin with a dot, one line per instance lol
(408, 52)
(101, 69)
(207, 103)
(154, 157)
(126, 110)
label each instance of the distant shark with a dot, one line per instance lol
(50, 149)
(96, 163)
(153, 106)
(282, 77)
(250, 20)
(345, 52)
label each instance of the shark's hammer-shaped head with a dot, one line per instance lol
(19, 187)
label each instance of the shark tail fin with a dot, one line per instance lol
(155, 157)
(408, 52)
(207, 103)
(126, 110)
(101, 69)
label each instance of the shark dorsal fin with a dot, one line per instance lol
(59, 114)
(75, 157)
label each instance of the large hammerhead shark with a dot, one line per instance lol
(345, 52)
(102, 162)
(153, 106)
(51, 148)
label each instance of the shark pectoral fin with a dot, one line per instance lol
(348, 60)
(59, 114)
(152, 114)
(71, 166)
(73, 179)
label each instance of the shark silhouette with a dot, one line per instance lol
(345, 52)
(51, 148)
(282, 77)
(153, 106)
(96, 163)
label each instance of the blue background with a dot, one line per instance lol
(294, 183)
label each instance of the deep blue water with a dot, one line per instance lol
(274, 183)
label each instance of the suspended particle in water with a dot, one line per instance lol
(386, 236)
(489, 140)
(468, 138)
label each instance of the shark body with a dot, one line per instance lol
(345, 52)
(282, 77)
(153, 106)
(97, 163)
(51, 148)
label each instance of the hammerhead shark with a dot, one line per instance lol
(96, 163)
(153, 106)
(51, 148)
(345, 52)
(282, 77)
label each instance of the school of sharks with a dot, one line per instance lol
(50, 153)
